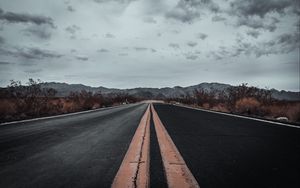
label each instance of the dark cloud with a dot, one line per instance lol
(183, 14)
(188, 11)
(259, 14)
(2, 40)
(40, 32)
(253, 33)
(5, 63)
(260, 8)
(29, 53)
(192, 44)
(258, 23)
(103, 50)
(153, 50)
(72, 29)
(82, 58)
(35, 53)
(201, 36)
(70, 8)
(218, 18)
(282, 44)
(12, 17)
(109, 35)
(174, 45)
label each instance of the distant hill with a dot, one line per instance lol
(64, 89)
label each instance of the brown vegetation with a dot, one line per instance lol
(19, 101)
(250, 101)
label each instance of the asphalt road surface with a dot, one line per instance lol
(83, 150)
(226, 151)
(87, 150)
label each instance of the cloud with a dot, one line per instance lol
(253, 33)
(72, 29)
(153, 50)
(183, 14)
(102, 50)
(188, 11)
(2, 40)
(256, 22)
(70, 8)
(191, 43)
(149, 20)
(190, 56)
(174, 45)
(109, 35)
(201, 36)
(5, 63)
(41, 32)
(259, 14)
(140, 48)
(175, 31)
(260, 8)
(218, 19)
(36, 53)
(33, 71)
(82, 58)
(29, 53)
(282, 44)
(11, 17)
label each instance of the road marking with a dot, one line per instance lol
(177, 173)
(134, 170)
(60, 115)
(240, 116)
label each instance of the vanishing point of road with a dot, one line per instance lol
(149, 145)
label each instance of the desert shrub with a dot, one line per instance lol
(247, 105)
(220, 107)
(291, 110)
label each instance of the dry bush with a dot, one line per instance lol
(293, 112)
(7, 107)
(289, 110)
(206, 105)
(220, 107)
(247, 106)
(69, 106)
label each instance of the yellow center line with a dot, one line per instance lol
(134, 170)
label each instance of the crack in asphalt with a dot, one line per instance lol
(141, 154)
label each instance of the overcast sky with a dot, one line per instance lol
(151, 43)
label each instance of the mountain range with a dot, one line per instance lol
(64, 89)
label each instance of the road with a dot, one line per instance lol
(226, 151)
(149, 146)
(83, 150)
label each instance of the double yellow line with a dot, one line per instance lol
(134, 170)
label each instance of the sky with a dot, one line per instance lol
(151, 43)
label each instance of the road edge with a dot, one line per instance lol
(238, 116)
